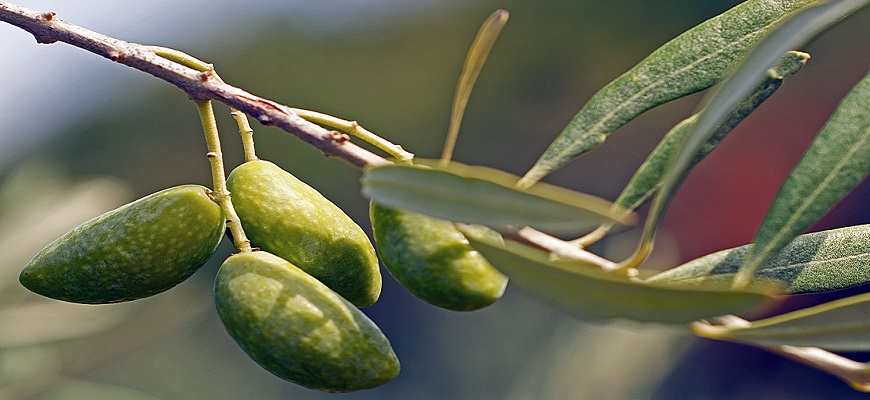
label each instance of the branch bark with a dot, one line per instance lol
(199, 86)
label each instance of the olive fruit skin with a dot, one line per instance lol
(135, 251)
(433, 260)
(297, 328)
(288, 218)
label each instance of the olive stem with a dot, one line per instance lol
(247, 134)
(245, 130)
(221, 195)
(353, 128)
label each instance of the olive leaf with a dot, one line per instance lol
(691, 62)
(589, 293)
(648, 177)
(485, 196)
(795, 31)
(812, 263)
(839, 325)
(477, 54)
(837, 160)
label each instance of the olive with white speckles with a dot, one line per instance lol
(297, 328)
(135, 251)
(288, 218)
(431, 259)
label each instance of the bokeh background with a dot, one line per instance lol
(80, 135)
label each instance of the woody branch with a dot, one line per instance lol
(199, 86)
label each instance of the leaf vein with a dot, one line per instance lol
(811, 198)
(658, 82)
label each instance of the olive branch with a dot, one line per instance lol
(47, 28)
(197, 79)
(202, 86)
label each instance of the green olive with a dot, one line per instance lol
(297, 328)
(286, 217)
(433, 261)
(138, 250)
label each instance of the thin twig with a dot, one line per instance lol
(559, 248)
(199, 86)
(854, 373)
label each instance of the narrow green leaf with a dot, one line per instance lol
(587, 292)
(648, 177)
(812, 263)
(837, 160)
(840, 325)
(794, 32)
(691, 62)
(479, 195)
(474, 61)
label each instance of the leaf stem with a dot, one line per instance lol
(182, 58)
(593, 237)
(221, 195)
(353, 128)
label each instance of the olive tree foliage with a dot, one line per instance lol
(537, 235)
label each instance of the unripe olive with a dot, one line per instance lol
(297, 328)
(286, 217)
(137, 250)
(433, 260)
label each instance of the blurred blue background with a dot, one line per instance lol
(80, 135)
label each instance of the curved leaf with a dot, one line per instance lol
(691, 62)
(648, 177)
(485, 196)
(477, 54)
(840, 325)
(589, 293)
(795, 31)
(812, 263)
(837, 160)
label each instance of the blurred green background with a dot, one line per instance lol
(395, 73)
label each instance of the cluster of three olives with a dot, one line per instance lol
(280, 304)
(285, 217)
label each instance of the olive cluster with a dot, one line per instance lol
(291, 303)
